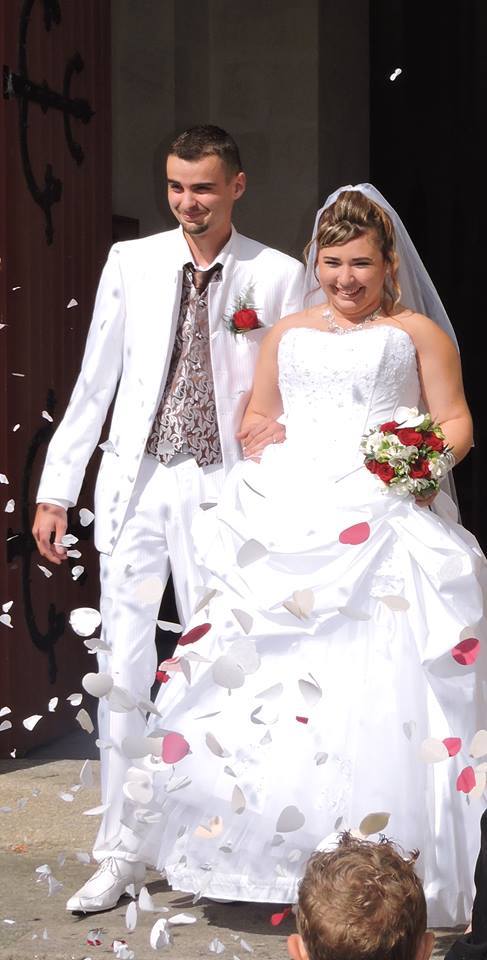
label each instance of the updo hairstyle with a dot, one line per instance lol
(351, 216)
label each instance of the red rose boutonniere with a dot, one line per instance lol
(244, 316)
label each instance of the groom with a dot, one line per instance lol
(176, 328)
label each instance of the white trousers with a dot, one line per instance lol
(155, 539)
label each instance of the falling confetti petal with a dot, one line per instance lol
(30, 722)
(374, 823)
(138, 791)
(131, 916)
(75, 699)
(84, 621)
(408, 728)
(243, 619)
(238, 800)
(192, 636)
(120, 700)
(302, 719)
(53, 702)
(216, 946)
(466, 652)
(272, 693)
(47, 573)
(433, 751)
(72, 303)
(96, 811)
(97, 684)
(3, 478)
(68, 540)
(159, 935)
(5, 725)
(396, 73)
(5, 711)
(215, 747)
(290, 819)
(76, 572)
(277, 918)
(84, 720)
(478, 746)
(250, 552)
(10, 506)
(73, 554)
(453, 745)
(15, 428)
(227, 673)
(6, 619)
(174, 748)
(310, 692)
(244, 653)
(135, 747)
(86, 774)
(466, 780)
(356, 534)
(207, 596)
(320, 758)
(86, 517)
(67, 797)
(399, 604)
(47, 416)
(210, 830)
(480, 784)
(168, 625)
(149, 591)
(181, 918)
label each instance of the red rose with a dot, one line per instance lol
(409, 437)
(384, 471)
(246, 319)
(420, 469)
(436, 443)
(389, 427)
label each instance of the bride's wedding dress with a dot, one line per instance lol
(336, 610)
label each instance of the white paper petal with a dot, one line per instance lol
(85, 720)
(433, 750)
(4, 711)
(96, 811)
(86, 774)
(10, 506)
(77, 572)
(30, 722)
(131, 916)
(149, 591)
(216, 946)
(290, 819)
(227, 673)
(478, 746)
(250, 552)
(216, 747)
(139, 792)
(374, 823)
(69, 540)
(67, 797)
(399, 604)
(135, 747)
(47, 416)
(72, 303)
(6, 619)
(97, 684)
(86, 517)
(310, 692)
(120, 700)
(53, 702)
(320, 758)
(75, 699)
(244, 653)
(159, 935)
(5, 725)
(182, 918)
(272, 693)
(169, 625)
(47, 573)
(3, 478)
(244, 619)
(238, 800)
(84, 621)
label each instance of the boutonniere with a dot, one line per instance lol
(244, 316)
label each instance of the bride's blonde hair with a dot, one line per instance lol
(349, 217)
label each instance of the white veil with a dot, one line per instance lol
(418, 291)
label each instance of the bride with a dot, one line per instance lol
(323, 683)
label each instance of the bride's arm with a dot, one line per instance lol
(441, 383)
(259, 427)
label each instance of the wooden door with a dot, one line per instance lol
(55, 196)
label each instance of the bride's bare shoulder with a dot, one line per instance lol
(305, 318)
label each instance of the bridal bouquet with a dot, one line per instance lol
(409, 454)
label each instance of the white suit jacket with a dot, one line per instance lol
(129, 346)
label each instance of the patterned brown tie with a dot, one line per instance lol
(201, 278)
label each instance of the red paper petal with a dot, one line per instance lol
(174, 748)
(162, 676)
(466, 652)
(277, 918)
(453, 745)
(195, 634)
(466, 780)
(356, 534)
(302, 719)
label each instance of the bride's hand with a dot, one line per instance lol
(256, 438)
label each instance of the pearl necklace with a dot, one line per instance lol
(335, 327)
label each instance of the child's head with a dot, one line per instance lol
(360, 901)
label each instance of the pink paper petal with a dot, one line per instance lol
(356, 534)
(195, 634)
(466, 780)
(174, 748)
(453, 745)
(277, 918)
(302, 719)
(466, 652)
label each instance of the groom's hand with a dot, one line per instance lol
(50, 525)
(256, 438)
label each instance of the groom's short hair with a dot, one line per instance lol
(360, 901)
(207, 140)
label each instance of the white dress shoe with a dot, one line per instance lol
(104, 889)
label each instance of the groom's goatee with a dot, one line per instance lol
(196, 228)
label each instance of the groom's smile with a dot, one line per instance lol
(201, 193)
